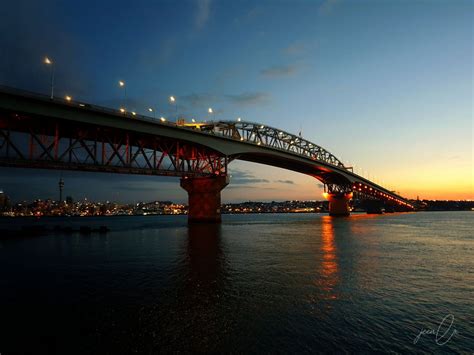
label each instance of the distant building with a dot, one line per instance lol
(4, 202)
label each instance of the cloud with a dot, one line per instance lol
(249, 181)
(327, 7)
(239, 177)
(200, 100)
(291, 182)
(295, 48)
(251, 15)
(202, 13)
(279, 71)
(249, 98)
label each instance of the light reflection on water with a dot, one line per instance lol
(255, 283)
(329, 269)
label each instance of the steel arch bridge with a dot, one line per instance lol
(38, 132)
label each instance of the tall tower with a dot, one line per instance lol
(61, 186)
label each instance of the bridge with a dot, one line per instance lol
(39, 132)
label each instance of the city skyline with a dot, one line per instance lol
(400, 108)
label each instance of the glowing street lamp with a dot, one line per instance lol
(122, 110)
(153, 111)
(48, 61)
(175, 103)
(162, 119)
(122, 85)
(210, 111)
(68, 98)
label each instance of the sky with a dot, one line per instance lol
(386, 86)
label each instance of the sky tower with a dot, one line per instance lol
(61, 186)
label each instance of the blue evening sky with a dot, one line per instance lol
(384, 85)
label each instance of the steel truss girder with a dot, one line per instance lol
(272, 137)
(60, 144)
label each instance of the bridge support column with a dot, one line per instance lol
(204, 198)
(339, 204)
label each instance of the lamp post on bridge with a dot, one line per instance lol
(175, 103)
(49, 62)
(150, 109)
(124, 87)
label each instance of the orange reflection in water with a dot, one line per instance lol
(329, 265)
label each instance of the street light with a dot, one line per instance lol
(68, 98)
(122, 85)
(163, 119)
(152, 110)
(48, 61)
(122, 110)
(175, 103)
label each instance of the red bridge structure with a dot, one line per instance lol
(39, 132)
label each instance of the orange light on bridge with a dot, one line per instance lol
(325, 195)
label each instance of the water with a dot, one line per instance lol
(271, 283)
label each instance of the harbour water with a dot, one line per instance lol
(255, 283)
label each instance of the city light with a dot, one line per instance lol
(193, 120)
(210, 110)
(134, 113)
(238, 119)
(325, 195)
(47, 61)
(162, 119)
(150, 109)
(122, 83)
(122, 110)
(172, 99)
(68, 98)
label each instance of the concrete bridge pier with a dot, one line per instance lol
(204, 198)
(339, 204)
